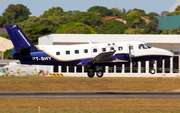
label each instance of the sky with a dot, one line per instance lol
(37, 7)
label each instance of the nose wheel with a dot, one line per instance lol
(152, 71)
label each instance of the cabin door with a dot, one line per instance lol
(130, 48)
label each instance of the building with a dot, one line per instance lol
(169, 42)
(2, 30)
(115, 17)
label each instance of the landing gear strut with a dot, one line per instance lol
(153, 71)
(97, 69)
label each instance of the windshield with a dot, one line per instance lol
(144, 46)
(148, 45)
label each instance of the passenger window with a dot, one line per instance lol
(112, 48)
(67, 52)
(57, 53)
(85, 51)
(76, 51)
(103, 49)
(95, 50)
(120, 48)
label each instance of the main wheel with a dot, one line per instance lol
(90, 73)
(153, 71)
(99, 73)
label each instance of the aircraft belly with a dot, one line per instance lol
(150, 57)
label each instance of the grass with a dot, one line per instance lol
(90, 106)
(34, 83)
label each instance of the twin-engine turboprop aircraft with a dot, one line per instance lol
(93, 55)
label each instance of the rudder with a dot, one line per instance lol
(18, 38)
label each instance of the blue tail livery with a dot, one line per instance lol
(18, 38)
(93, 55)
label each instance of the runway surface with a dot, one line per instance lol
(91, 95)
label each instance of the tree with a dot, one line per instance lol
(117, 12)
(139, 11)
(164, 13)
(72, 13)
(5, 35)
(103, 11)
(132, 31)
(75, 28)
(124, 11)
(137, 21)
(170, 32)
(134, 19)
(54, 21)
(176, 12)
(151, 29)
(35, 30)
(90, 19)
(178, 8)
(7, 55)
(173, 13)
(151, 16)
(54, 11)
(156, 15)
(16, 13)
(112, 27)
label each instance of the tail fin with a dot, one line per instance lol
(19, 39)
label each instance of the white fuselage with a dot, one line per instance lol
(81, 51)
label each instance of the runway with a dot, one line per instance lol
(91, 95)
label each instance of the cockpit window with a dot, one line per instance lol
(144, 46)
(141, 46)
(148, 45)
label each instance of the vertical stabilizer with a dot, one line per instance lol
(18, 38)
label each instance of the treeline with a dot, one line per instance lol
(55, 20)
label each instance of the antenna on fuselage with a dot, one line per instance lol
(90, 42)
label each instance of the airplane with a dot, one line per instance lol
(93, 55)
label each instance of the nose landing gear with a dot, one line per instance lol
(153, 71)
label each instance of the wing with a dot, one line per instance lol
(99, 58)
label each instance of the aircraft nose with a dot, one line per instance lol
(167, 53)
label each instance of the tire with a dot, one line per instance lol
(99, 73)
(90, 73)
(153, 71)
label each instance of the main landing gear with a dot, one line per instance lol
(97, 69)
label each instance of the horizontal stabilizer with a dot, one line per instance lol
(12, 51)
(22, 52)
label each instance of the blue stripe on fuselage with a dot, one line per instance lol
(44, 58)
